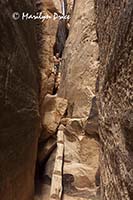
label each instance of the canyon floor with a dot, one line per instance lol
(88, 157)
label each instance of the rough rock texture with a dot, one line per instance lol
(81, 157)
(47, 39)
(115, 37)
(52, 38)
(80, 60)
(80, 163)
(53, 109)
(79, 71)
(19, 91)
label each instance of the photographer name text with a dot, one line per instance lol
(39, 16)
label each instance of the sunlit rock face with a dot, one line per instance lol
(53, 109)
(115, 28)
(19, 93)
(80, 60)
(79, 72)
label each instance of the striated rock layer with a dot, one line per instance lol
(115, 37)
(19, 92)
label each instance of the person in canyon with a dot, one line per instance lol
(57, 62)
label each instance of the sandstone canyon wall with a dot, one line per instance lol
(115, 37)
(19, 95)
(47, 39)
(80, 60)
(29, 105)
(51, 39)
(79, 71)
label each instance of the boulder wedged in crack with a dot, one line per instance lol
(53, 109)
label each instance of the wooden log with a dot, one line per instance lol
(56, 185)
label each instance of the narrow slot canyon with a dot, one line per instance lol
(76, 176)
(66, 100)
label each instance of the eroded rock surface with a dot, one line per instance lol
(47, 39)
(81, 157)
(79, 71)
(19, 93)
(115, 36)
(80, 60)
(53, 109)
